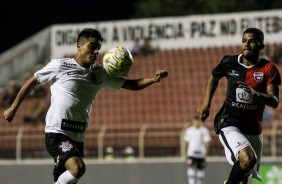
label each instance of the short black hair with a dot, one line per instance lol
(259, 34)
(90, 33)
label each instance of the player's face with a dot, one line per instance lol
(251, 45)
(196, 123)
(89, 50)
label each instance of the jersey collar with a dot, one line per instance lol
(251, 66)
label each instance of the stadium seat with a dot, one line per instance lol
(164, 108)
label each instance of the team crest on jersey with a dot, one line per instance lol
(258, 76)
(66, 146)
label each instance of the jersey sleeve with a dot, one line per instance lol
(274, 75)
(100, 76)
(219, 71)
(113, 82)
(48, 72)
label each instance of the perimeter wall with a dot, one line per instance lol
(156, 171)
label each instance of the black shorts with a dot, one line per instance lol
(61, 148)
(199, 163)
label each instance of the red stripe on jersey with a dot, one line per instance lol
(262, 75)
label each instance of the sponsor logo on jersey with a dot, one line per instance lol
(69, 64)
(243, 100)
(258, 76)
(233, 73)
(66, 146)
(243, 97)
(244, 106)
(74, 126)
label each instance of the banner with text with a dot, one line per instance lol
(171, 32)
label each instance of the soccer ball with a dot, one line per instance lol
(118, 61)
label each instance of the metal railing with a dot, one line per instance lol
(23, 139)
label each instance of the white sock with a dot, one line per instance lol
(191, 176)
(66, 178)
(200, 176)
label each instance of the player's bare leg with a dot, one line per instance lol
(247, 160)
(75, 169)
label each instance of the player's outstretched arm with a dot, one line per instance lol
(9, 114)
(138, 84)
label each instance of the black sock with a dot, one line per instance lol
(236, 174)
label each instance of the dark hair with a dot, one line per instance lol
(259, 34)
(90, 33)
(197, 117)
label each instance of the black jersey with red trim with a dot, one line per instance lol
(240, 109)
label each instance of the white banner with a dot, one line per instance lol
(171, 32)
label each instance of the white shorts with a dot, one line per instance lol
(233, 140)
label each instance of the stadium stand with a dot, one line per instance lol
(8, 142)
(153, 118)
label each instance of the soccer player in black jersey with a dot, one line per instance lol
(253, 82)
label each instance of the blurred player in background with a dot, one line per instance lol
(197, 138)
(74, 83)
(253, 82)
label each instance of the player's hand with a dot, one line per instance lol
(160, 74)
(247, 88)
(189, 161)
(9, 114)
(203, 113)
